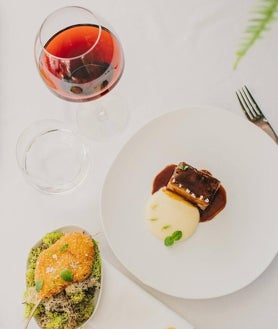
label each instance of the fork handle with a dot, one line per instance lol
(265, 125)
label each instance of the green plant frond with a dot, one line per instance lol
(266, 13)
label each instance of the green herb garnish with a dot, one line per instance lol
(64, 247)
(177, 235)
(170, 239)
(182, 166)
(39, 285)
(165, 227)
(66, 275)
(153, 219)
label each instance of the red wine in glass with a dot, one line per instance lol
(80, 59)
(81, 62)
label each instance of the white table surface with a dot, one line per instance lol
(178, 53)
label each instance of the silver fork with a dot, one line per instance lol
(253, 112)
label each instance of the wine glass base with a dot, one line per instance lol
(102, 119)
(52, 158)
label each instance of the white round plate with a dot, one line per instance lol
(225, 254)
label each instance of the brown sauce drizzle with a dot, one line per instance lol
(217, 204)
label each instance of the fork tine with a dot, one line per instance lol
(252, 102)
(253, 113)
(249, 104)
(244, 105)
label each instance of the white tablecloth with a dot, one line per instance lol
(178, 53)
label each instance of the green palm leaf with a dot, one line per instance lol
(266, 13)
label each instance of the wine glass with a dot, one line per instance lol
(80, 59)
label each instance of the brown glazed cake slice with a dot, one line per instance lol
(197, 187)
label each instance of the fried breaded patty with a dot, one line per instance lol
(73, 253)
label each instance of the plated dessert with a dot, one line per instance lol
(182, 196)
(63, 280)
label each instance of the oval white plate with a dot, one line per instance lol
(65, 230)
(225, 254)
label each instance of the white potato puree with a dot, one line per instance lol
(166, 212)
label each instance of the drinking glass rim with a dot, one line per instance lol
(100, 28)
(31, 135)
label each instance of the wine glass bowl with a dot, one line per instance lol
(52, 157)
(78, 56)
